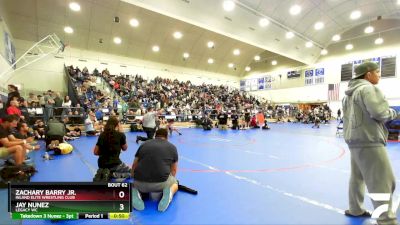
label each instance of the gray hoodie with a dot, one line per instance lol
(365, 113)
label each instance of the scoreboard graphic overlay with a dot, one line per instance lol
(76, 200)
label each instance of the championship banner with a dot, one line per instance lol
(319, 76)
(309, 77)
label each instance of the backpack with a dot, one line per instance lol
(102, 175)
(13, 173)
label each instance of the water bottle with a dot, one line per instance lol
(46, 156)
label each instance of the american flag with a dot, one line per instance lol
(333, 92)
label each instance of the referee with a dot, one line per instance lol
(149, 125)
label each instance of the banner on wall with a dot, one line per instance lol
(254, 84)
(261, 83)
(293, 74)
(242, 85)
(9, 49)
(319, 76)
(309, 77)
(248, 85)
(268, 82)
(257, 84)
(376, 60)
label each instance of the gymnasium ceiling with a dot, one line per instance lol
(206, 20)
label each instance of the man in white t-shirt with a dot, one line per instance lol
(90, 124)
(149, 125)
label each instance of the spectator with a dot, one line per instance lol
(365, 112)
(3, 109)
(13, 108)
(223, 120)
(39, 129)
(32, 98)
(12, 94)
(17, 149)
(90, 124)
(58, 102)
(22, 133)
(23, 107)
(49, 105)
(66, 104)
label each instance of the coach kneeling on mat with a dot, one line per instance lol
(154, 170)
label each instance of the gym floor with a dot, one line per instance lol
(291, 174)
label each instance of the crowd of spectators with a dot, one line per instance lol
(173, 97)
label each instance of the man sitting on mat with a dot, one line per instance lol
(22, 132)
(17, 149)
(154, 170)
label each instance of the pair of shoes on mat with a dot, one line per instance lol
(365, 214)
(165, 200)
(137, 201)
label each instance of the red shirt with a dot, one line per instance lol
(11, 110)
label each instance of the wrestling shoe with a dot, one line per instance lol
(137, 201)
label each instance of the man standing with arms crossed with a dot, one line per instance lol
(365, 112)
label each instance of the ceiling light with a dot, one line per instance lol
(178, 35)
(185, 55)
(398, 2)
(228, 5)
(319, 25)
(248, 68)
(230, 65)
(289, 35)
(379, 41)
(295, 9)
(68, 30)
(155, 48)
(210, 61)
(309, 44)
(236, 52)
(274, 62)
(210, 44)
(324, 52)
(336, 37)
(257, 57)
(74, 6)
(349, 47)
(117, 40)
(134, 22)
(263, 22)
(355, 14)
(369, 29)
